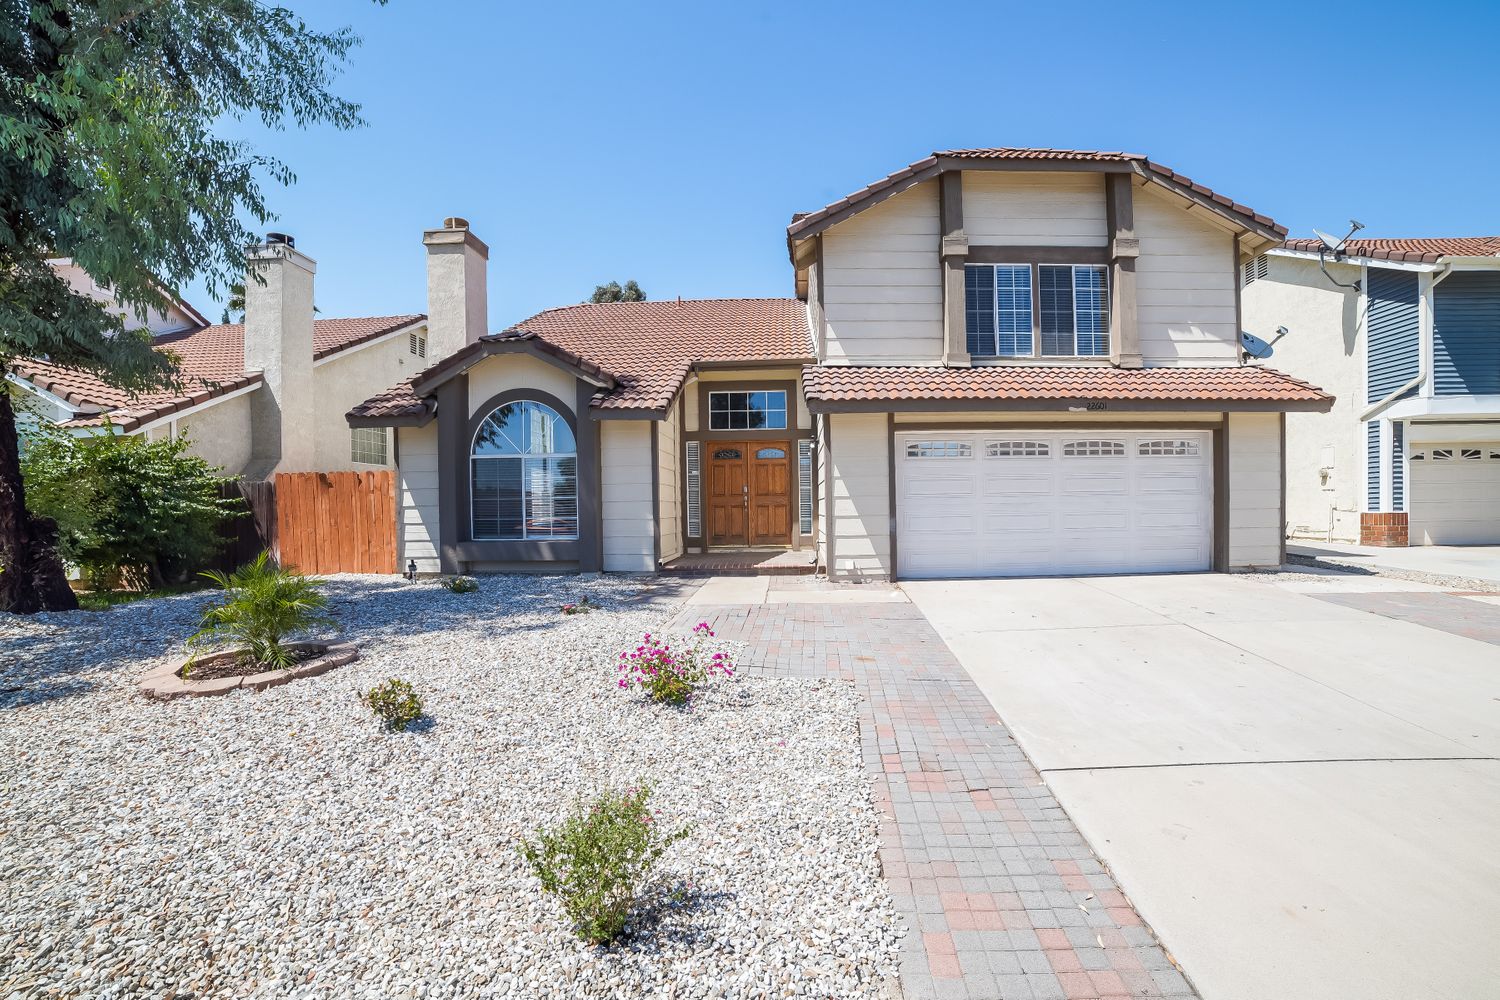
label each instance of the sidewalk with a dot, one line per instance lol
(1454, 562)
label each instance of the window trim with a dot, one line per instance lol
(477, 421)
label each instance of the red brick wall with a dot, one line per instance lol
(1388, 530)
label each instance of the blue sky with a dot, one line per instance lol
(670, 143)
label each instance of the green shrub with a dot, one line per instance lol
(600, 858)
(396, 704)
(462, 584)
(583, 607)
(263, 606)
(142, 512)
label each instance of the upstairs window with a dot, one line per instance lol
(1075, 310)
(747, 411)
(1011, 310)
(997, 303)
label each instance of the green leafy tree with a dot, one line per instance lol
(615, 292)
(145, 511)
(108, 155)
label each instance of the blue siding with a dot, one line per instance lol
(1398, 467)
(1372, 465)
(1466, 334)
(1394, 336)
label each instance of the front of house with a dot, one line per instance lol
(1406, 333)
(998, 362)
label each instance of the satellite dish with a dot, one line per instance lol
(1331, 242)
(1254, 347)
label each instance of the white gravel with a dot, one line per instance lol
(281, 844)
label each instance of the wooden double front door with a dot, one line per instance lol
(749, 492)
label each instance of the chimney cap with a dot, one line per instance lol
(282, 238)
(455, 222)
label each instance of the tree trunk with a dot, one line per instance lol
(32, 577)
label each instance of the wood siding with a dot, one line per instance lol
(860, 508)
(337, 522)
(1186, 280)
(883, 295)
(669, 477)
(417, 497)
(1034, 209)
(1255, 527)
(629, 518)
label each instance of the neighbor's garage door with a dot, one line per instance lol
(1455, 495)
(1019, 503)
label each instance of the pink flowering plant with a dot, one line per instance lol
(600, 859)
(669, 676)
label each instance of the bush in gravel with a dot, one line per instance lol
(462, 584)
(263, 606)
(600, 858)
(669, 676)
(395, 703)
(583, 607)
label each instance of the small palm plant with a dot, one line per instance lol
(263, 605)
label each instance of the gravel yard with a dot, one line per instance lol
(281, 844)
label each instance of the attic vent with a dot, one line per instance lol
(418, 344)
(1258, 267)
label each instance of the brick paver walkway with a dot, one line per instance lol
(1002, 895)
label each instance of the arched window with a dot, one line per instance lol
(524, 474)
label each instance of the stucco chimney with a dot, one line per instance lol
(457, 302)
(279, 344)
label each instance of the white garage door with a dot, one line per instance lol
(1023, 503)
(1455, 494)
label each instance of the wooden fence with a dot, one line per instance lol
(336, 522)
(245, 537)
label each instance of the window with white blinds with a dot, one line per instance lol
(524, 474)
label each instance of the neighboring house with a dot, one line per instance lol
(1410, 453)
(998, 361)
(267, 395)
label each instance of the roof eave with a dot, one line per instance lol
(392, 420)
(1067, 405)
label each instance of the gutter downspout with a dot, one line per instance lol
(1375, 409)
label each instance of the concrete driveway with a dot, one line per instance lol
(1300, 797)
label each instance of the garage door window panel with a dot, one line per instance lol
(939, 449)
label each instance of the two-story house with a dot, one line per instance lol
(263, 396)
(998, 361)
(1406, 333)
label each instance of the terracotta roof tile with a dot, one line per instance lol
(1420, 250)
(1002, 383)
(212, 360)
(648, 347)
(804, 221)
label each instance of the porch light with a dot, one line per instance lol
(411, 570)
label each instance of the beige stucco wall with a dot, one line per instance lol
(1325, 346)
(1255, 530)
(417, 497)
(1024, 208)
(505, 372)
(1185, 283)
(346, 379)
(860, 506)
(626, 465)
(883, 295)
(220, 433)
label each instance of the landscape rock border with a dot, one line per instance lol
(165, 683)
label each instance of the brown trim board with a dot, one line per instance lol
(1221, 497)
(655, 494)
(987, 253)
(890, 475)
